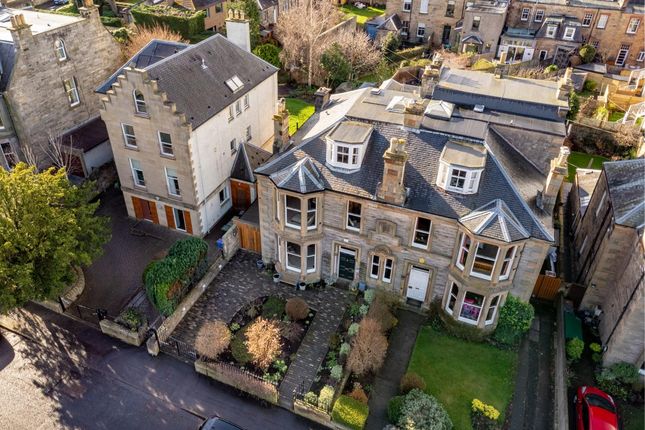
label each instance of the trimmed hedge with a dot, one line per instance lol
(166, 280)
(111, 21)
(350, 412)
(182, 21)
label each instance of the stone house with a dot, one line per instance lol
(50, 65)
(214, 10)
(426, 198)
(177, 116)
(613, 27)
(481, 27)
(609, 254)
(428, 21)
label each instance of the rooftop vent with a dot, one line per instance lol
(479, 108)
(235, 84)
(204, 66)
(375, 91)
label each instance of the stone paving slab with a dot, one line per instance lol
(239, 283)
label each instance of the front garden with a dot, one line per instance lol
(362, 15)
(299, 113)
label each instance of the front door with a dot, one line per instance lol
(346, 263)
(418, 284)
(445, 36)
(146, 211)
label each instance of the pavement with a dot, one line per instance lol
(59, 373)
(386, 383)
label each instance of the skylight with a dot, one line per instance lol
(235, 84)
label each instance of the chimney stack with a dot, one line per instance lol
(89, 9)
(557, 173)
(566, 86)
(281, 127)
(431, 75)
(238, 29)
(413, 115)
(321, 98)
(21, 32)
(391, 188)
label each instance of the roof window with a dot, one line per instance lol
(235, 84)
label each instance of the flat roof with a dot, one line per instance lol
(40, 22)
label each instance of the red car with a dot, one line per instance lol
(595, 410)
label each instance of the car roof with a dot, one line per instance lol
(599, 417)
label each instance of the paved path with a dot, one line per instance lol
(533, 400)
(239, 283)
(67, 375)
(386, 384)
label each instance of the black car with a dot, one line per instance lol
(216, 423)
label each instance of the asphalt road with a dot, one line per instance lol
(63, 374)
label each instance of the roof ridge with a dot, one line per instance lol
(188, 48)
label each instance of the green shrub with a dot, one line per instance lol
(336, 372)
(239, 351)
(369, 296)
(353, 329)
(617, 379)
(311, 398)
(122, 35)
(410, 381)
(344, 349)
(183, 21)
(574, 105)
(131, 318)
(515, 319)
(394, 409)
(587, 53)
(111, 21)
(326, 397)
(166, 280)
(350, 412)
(269, 53)
(389, 45)
(483, 416)
(410, 53)
(595, 347)
(273, 308)
(551, 69)
(364, 309)
(423, 411)
(575, 348)
(70, 9)
(590, 85)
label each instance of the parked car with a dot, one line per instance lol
(595, 410)
(216, 423)
(60, 2)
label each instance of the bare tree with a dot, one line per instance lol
(59, 152)
(30, 156)
(359, 51)
(300, 31)
(142, 35)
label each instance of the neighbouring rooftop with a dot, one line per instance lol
(626, 185)
(39, 22)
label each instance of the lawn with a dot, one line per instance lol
(362, 15)
(582, 160)
(616, 116)
(299, 112)
(457, 371)
(633, 417)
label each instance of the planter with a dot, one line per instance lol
(260, 264)
(124, 334)
(302, 286)
(276, 277)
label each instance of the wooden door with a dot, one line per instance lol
(145, 209)
(241, 195)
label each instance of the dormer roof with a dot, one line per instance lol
(302, 177)
(439, 109)
(496, 221)
(464, 154)
(351, 132)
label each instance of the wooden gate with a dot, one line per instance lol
(249, 236)
(546, 287)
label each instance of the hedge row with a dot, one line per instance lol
(182, 21)
(167, 280)
(410, 53)
(111, 21)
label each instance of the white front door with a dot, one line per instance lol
(418, 284)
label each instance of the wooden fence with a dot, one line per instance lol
(249, 236)
(546, 287)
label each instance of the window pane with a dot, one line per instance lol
(293, 256)
(472, 306)
(465, 249)
(490, 315)
(422, 232)
(354, 215)
(293, 211)
(376, 260)
(387, 270)
(485, 259)
(311, 212)
(311, 258)
(454, 291)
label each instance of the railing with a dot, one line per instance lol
(299, 395)
(179, 349)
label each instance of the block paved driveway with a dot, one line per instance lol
(239, 283)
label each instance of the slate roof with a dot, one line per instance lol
(307, 161)
(87, 136)
(7, 60)
(247, 159)
(586, 180)
(203, 4)
(495, 220)
(562, 21)
(626, 185)
(266, 4)
(195, 77)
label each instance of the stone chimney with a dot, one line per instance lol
(281, 127)
(413, 114)
(321, 98)
(391, 188)
(431, 75)
(89, 10)
(238, 30)
(566, 86)
(557, 173)
(21, 32)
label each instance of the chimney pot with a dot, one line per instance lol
(321, 98)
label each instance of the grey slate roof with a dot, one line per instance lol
(424, 150)
(203, 4)
(495, 220)
(247, 159)
(562, 21)
(7, 60)
(195, 77)
(626, 185)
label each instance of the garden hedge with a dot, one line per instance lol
(350, 412)
(111, 21)
(182, 21)
(167, 280)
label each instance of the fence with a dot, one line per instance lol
(241, 379)
(178, 349)
(560, 407)
(546, 287)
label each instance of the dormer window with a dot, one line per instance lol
(551, 30)
(346, 145)
(460, 167)
(569, 32)
(139, 102)
(59, 46)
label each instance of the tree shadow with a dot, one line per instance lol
(7, 353)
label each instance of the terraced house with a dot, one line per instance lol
(177, 116)
(429, 198)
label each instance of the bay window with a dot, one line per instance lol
(311, 213)
(464, 250)
(292, 212)
(471, 308)
(492, 310)
(421, 237)
(354, 216)
(293, 257)
(507, 264)
(311, 258)
(485, 256)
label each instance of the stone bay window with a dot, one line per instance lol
(300, 213)
(484, 260)
(471, 306)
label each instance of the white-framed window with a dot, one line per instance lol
(294, 259)
(526, 12)
(208, 12)
(246, 101)
(464, 250)
(9, 155)
(353, 216)
(342, 154)
(292, 216)
(507, 264)
(165, 143)
(471, 308)
(381, 268)
(71, 90)
(458, 179)
(551, 30)
(139, 102)
(623, 52)
(476, 21)
(388, 266)
(233, 146)
(569, 32)
(224, 195)
(492, 310)
(423, 7)
(601, 203)
(137, 173)
(249, 136)
(452, 298)
(450, 8)
(421, 237)
(484, 263)
(405, 27)
(311, 258)
(311, 213)
(129, 138)
(539, 15)
(231, 113)
(421, 30)
(641, 56)
(407, 5)
(172, 180)
(543, 54)
(238, 108)
(375, 267)
(586, 21)
(602, 21)
(180, 220)
(632, 28)
(59, 47)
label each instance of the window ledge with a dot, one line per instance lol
(168, 156)
(142, 115)
(131, 148)
(174, 196)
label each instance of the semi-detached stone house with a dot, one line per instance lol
(428, 199)
(177, 115)
(214, 10)
(50, 66)
(428, 21)
(608, 207)
(482, 24)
